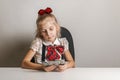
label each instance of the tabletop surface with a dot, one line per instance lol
(16, 73)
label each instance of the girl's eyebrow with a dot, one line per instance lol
(47, 27)
(43, 28)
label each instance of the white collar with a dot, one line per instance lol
(56, 42)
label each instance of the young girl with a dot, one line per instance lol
(48, 46)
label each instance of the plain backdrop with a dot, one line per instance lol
(94, 25)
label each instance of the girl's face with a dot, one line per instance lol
(49, 29)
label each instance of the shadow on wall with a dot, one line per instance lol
(13, 52)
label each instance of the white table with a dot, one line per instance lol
(14, 73)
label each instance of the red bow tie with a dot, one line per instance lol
(54, 52)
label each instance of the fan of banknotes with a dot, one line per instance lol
(56, 62)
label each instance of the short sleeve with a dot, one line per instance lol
(66, 44)
(35, 45)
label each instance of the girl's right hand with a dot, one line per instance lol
(49, 68)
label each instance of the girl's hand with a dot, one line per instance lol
(49, 68)
(61, 68)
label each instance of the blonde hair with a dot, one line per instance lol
(39, 24)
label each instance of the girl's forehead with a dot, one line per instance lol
(49, 19)
(48, 22)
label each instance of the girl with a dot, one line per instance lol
(48, 37)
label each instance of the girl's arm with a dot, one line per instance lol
(70, 62)
(26, 63)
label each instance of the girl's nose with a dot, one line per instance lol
(48, 33)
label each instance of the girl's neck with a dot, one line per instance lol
(51, 41)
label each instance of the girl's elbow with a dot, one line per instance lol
(23, 64)
(73, 65)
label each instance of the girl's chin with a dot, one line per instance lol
(51, 40)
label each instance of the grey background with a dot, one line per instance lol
(94, 24)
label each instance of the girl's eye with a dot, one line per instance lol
(51, 29)
(43, 31)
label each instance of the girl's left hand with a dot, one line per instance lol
(61, 68)
(49, 68)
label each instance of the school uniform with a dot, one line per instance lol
(52, 51)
